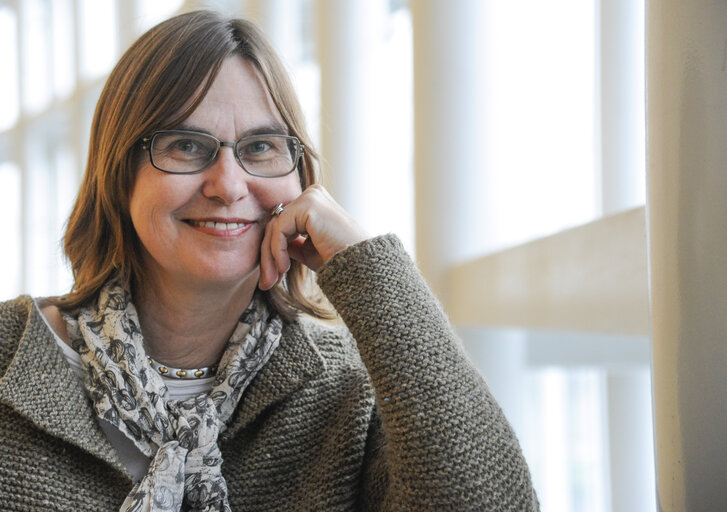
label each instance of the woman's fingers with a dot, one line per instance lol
(268, 267)
(302, 249)
(274, 256)
(279, 250)
(310, 229)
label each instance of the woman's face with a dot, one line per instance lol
(172, 213)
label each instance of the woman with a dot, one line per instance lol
(188, 368)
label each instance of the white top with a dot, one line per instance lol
(131, 457)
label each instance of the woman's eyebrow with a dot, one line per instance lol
(272, 129)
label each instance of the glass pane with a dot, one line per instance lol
(10, 231)
(63, 54)
(307, 43)
(39, 264)
(67, 177)
(88, 102)
(565, 442)
(392, 89)
(542, 117)
(98, 37)
(51, 182)
(9, 65)
(36, 55)
(151, 13)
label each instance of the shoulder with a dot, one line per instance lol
(332, 340)
(15, 316)
(23, 303)
(324, 333)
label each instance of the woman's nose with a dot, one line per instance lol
(225, 180)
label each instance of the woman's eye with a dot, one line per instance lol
(257, 147)
(186, 146)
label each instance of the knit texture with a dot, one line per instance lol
(386, 414)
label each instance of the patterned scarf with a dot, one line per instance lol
(179, 435)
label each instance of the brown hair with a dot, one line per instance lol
(150, 89)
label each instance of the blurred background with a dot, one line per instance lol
(502, 141)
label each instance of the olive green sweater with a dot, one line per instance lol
(386, 414)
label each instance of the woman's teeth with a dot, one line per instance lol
(217, 225)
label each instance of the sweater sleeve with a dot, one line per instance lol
(439, 440)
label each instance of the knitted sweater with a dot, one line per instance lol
(386, 414)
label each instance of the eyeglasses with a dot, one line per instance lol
(189, 152)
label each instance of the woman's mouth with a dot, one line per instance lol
(221, 227)
(225, 226)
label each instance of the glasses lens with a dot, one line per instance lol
(268, 155)
(182, 152)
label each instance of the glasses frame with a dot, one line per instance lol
(148, 142)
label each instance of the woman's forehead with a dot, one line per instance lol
(238, 100)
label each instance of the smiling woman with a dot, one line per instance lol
(201, 228)
(192, 332)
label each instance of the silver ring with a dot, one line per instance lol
(277, 210)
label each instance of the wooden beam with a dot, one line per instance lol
(589, 278)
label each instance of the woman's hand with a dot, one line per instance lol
(311, 229)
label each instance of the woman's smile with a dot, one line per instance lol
(221, 227)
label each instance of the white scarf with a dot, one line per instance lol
(179, 435)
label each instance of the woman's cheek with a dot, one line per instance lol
(283, 193)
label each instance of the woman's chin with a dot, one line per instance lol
(222, 278)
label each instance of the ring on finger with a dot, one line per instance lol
(277, 210)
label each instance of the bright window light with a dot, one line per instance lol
(98, 37)
(151, 13)
(392, 179)
(66, 187)
(10, 230)
(566, 447)
(9, 65)
(41, 240)
(64, 75)
(543, 117)
(37, 92)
